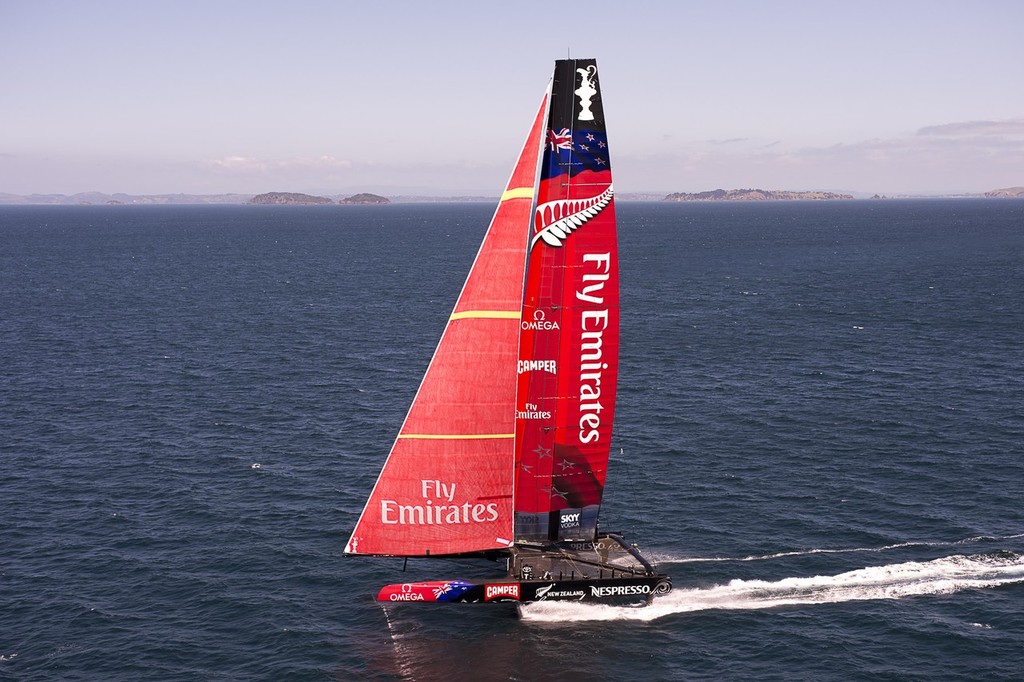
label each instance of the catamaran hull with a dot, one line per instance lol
(606, 569)
(600, 590)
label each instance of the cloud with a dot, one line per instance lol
(234, 163)
(243, 165)
(973, 156)
(1010, 127)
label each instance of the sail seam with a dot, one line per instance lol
(487, 314)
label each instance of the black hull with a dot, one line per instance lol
(605, 570)
(604, 591)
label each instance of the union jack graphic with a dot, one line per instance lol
(560, 140)
(442, 590)
(450, 590)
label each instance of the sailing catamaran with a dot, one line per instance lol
(504, 451)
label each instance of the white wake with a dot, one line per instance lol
(895, 581)
(665, 559)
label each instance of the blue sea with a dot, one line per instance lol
(820, 437)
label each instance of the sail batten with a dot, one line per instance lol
(518, 193)
(455, 436)
(487, 315)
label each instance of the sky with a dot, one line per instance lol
(436, 98)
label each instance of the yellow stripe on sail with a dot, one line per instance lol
(484, 314)
(455, 436)
(517, 193)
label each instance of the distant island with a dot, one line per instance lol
(120, 199)
(755, 195)
(365, 198)
(288, 198)
(299, 199)
(1008, 193)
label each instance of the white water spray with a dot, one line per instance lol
(895, 581)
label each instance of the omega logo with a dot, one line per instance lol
(540, 322)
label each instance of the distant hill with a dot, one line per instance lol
(1008, 193)
(296, 198)
(755, 195)
(365, 198)
(100, 198)
(288, 198)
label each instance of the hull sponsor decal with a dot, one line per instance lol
(603, 591)
(501, 591)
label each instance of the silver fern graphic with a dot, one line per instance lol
(543, 592)
(563, 216)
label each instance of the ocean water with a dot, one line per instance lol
(820, 436)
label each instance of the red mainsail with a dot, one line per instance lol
(509, 434)
(446, 487)
(569, 341)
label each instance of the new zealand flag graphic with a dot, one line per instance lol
(575, 151)
(576, 139)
